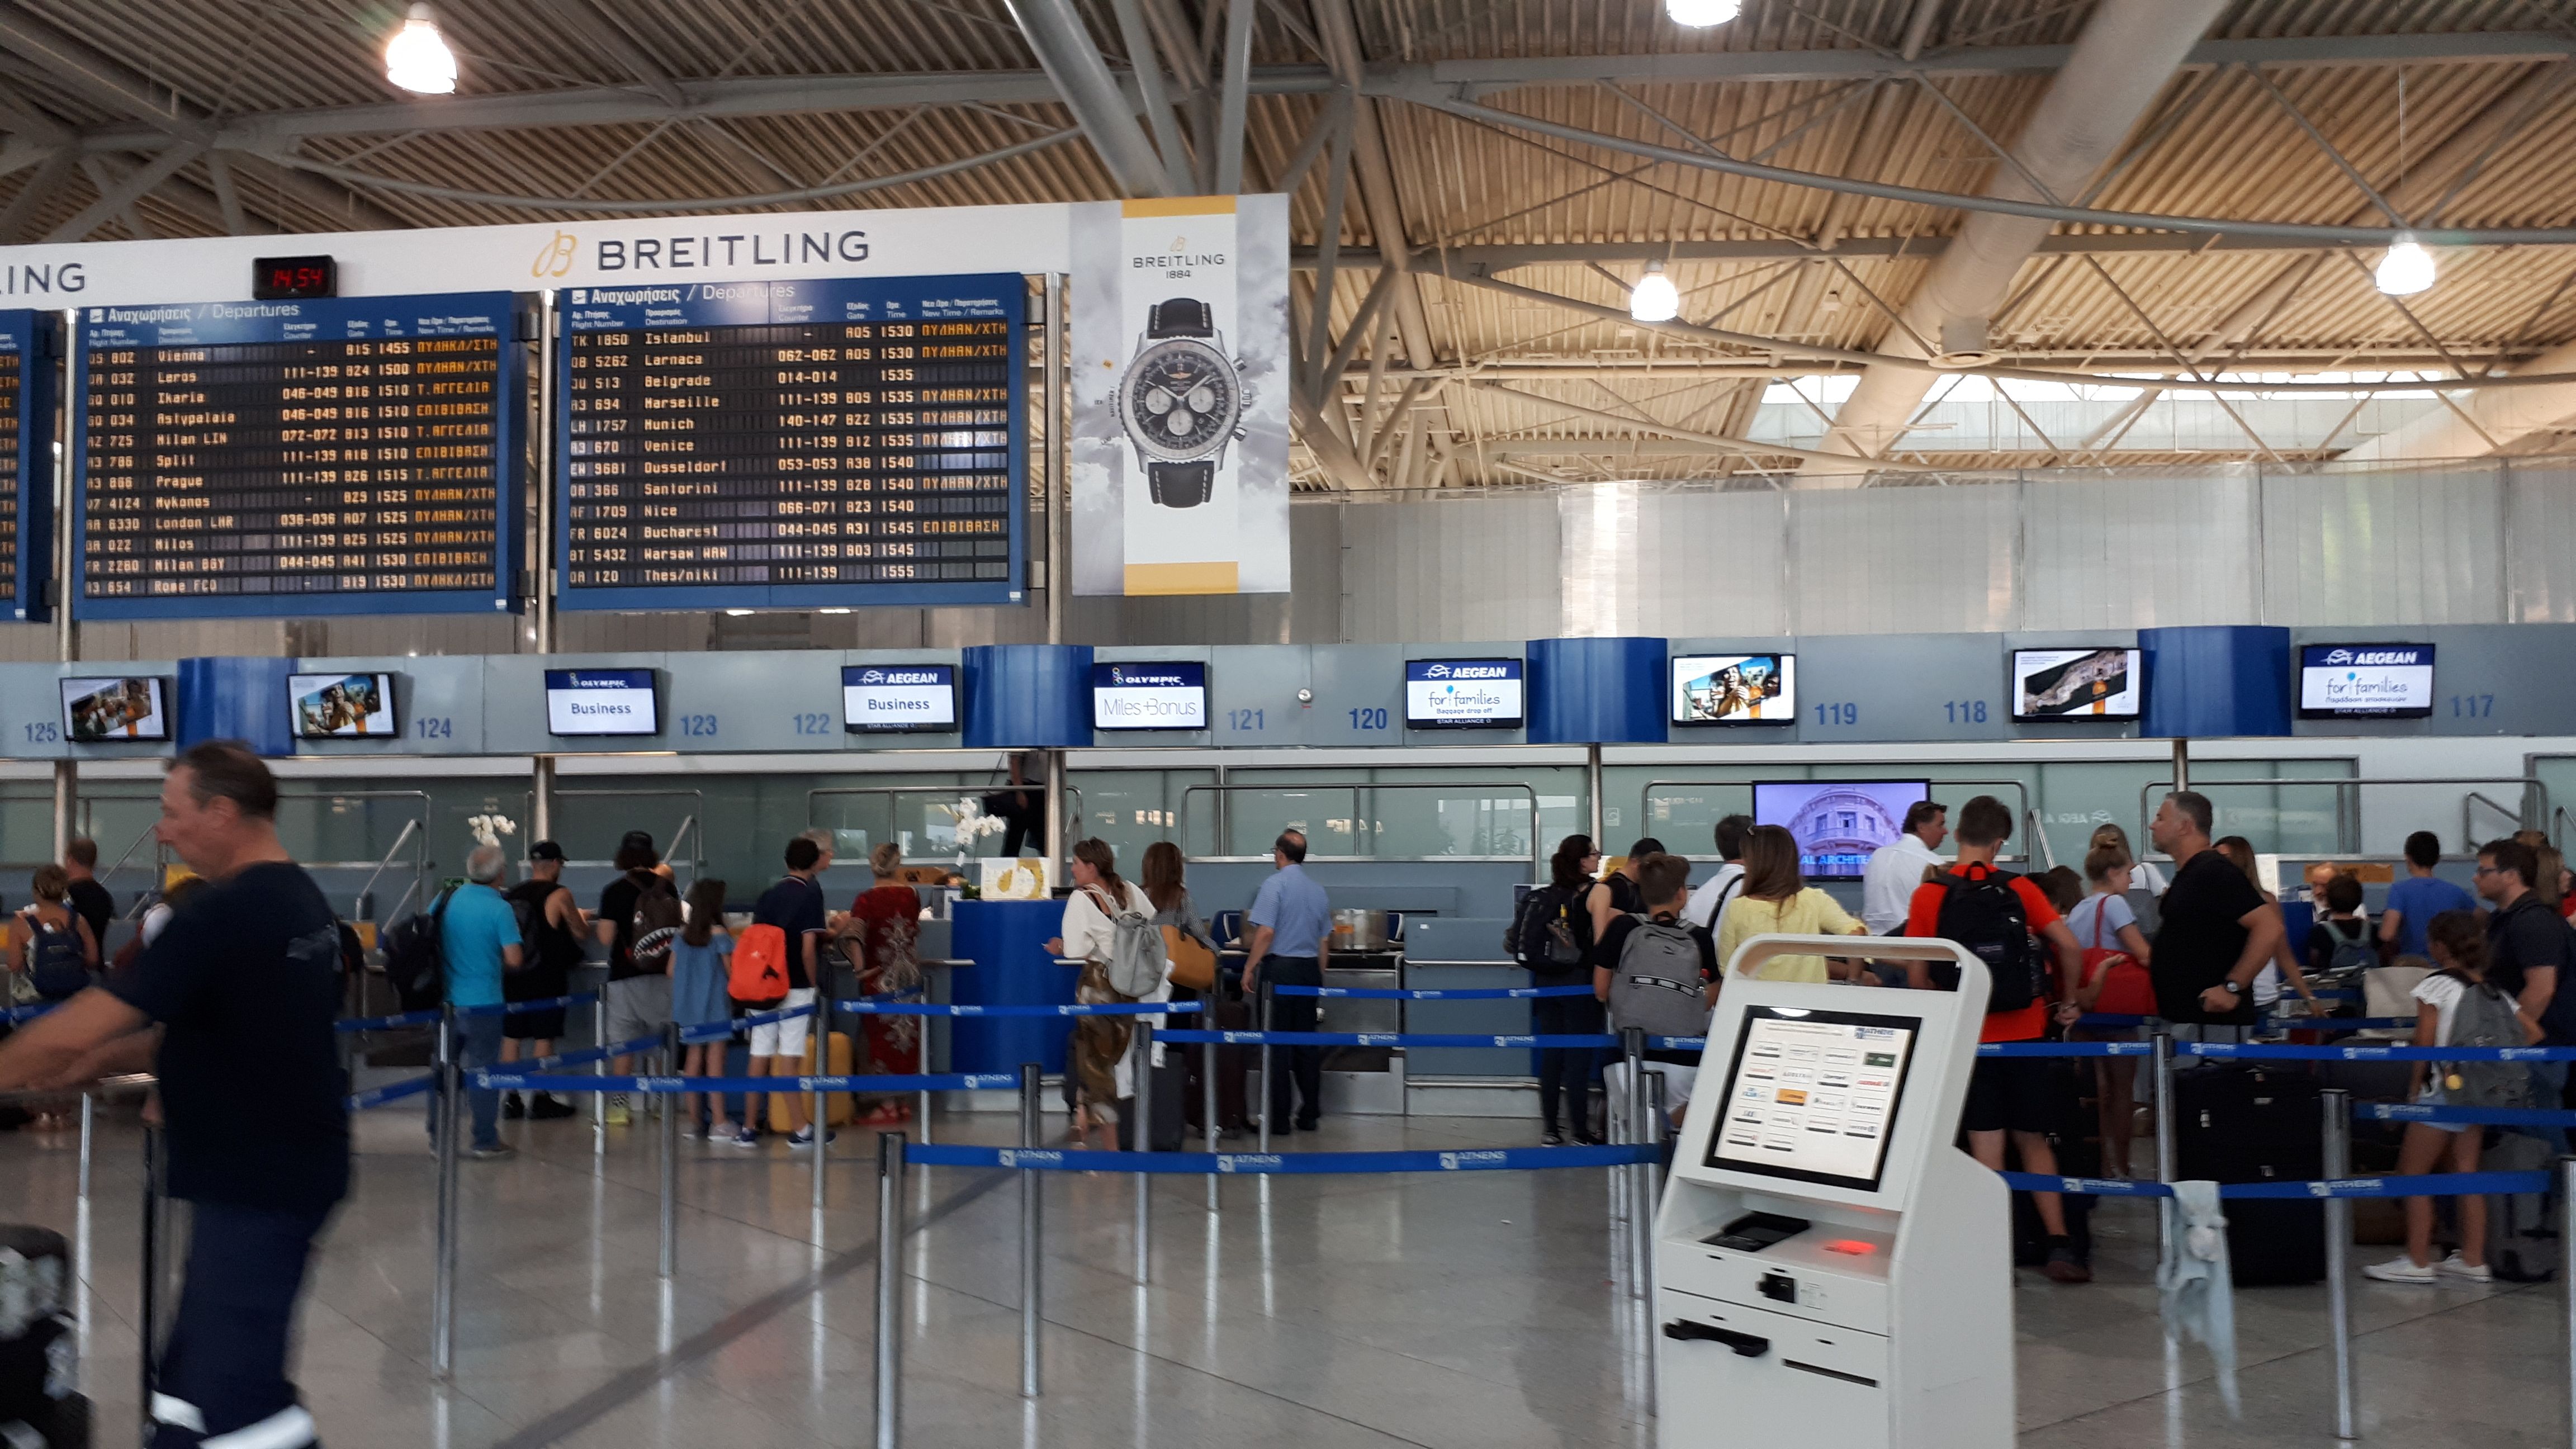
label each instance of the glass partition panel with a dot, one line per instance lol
(1131, 809)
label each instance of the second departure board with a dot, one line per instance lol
(338, 456)
(791, 444)
(26, 461)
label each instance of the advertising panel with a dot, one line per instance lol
(1462, 694)
(2055, 684)
(1732, 689)
(898, 698)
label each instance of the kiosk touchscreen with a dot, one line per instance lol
(1829, 1267)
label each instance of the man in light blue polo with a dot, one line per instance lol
(478, 934)
(1292, 929)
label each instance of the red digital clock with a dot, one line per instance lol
(276, 278)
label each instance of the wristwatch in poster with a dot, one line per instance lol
(1181, 401)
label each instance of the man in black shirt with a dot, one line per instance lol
(638, 1001)
(795, 906)
(2217, 930)
(2531, 951)
(89, 900)
(244, 983)
(553, 927)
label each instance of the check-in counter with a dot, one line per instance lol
(1450, 953)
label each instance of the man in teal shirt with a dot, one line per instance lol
(478, 934)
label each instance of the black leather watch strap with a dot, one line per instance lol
(1180, 317)
(1181, 485)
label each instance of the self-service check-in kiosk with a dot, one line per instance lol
(1830, 1269)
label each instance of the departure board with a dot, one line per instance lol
(336, 456)
(27, 357)
(791, 444)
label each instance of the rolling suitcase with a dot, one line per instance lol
(836, 1105)
(39, 1351)
(2247, 1124)
(1233, 1070)
(1170, 1089)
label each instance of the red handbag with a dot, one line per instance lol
(2127, 990)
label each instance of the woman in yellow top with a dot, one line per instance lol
(1777, 900)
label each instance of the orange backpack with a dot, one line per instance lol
(759, 971)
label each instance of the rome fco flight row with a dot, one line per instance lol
(715, 445)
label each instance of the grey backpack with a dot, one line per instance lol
(1135, 964)
(1656, 984)
(2484, 1018)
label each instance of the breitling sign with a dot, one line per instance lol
(1179, 447)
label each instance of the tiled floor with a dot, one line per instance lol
(1474, 1311)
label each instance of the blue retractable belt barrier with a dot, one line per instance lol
(2481, 1116)
(2066, 1048)
(735, 1086)
(11, 1016)
(519, 1008)
(395, 1092)
(1463, 993)
(1673, 1043)
(2253, 1051)
(1380, 1039)
(2441, 1184)
(1106, 1008)
(1048, 1159)
(388, 1023)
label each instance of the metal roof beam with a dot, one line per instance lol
(1081, 79)
(797, 95)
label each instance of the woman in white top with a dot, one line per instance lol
(1098, 1060)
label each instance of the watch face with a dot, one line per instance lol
(1180, 400)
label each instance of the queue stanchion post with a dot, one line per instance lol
(148, 1320)
(2338, 1163)
(451, 1103)
(88, 1138)
(822, 1109)
(2567, 1275)
(599, 1100)
(1140, 1132)
(671, 1156)
(2162, 1065)
(1207, 1097)
(1268, 1095)
(1646, 1220)
(1032, 1204)
(1632, 1044)
(889, 1326)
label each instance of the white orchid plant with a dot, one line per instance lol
(488, 829)
(973, 825)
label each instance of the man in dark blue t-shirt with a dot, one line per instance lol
(795, 906)
(244, 983)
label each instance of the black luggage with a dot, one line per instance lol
(2238, 1124)
(61, 1424)
(2075, 1137)
(1233, 1069)
(1171, 1088)
(2522, 1242)
(39, 1351)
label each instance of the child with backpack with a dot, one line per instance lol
(49, 945)
(2456, 1006)
(1552, 940)
(1658, 972)
(698, 998)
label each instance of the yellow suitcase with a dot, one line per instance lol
(836, 1105)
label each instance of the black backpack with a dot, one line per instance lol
(1986, 915)
(56, 964)
(416, 957)
(1553, 935)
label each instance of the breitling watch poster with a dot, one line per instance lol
(1179, 445)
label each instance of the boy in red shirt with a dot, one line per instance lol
(2009, 1094)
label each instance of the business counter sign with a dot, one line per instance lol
(1462, 694)
(1149, 696)
(2365, 681)
(1179, 449)
(898, 698)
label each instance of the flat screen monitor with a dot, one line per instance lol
(582, 702)
(104, 710)
(1735, 689)
(2059, 684)
(899, 698)
(1146, 696)
(1813, 1095)
(1837, 822)
(342, 706)
(1462, 694)
(2365, 681)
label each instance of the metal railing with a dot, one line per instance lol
(2347, 797)
(671, 850)
(2021, 794)
(1536, 857)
